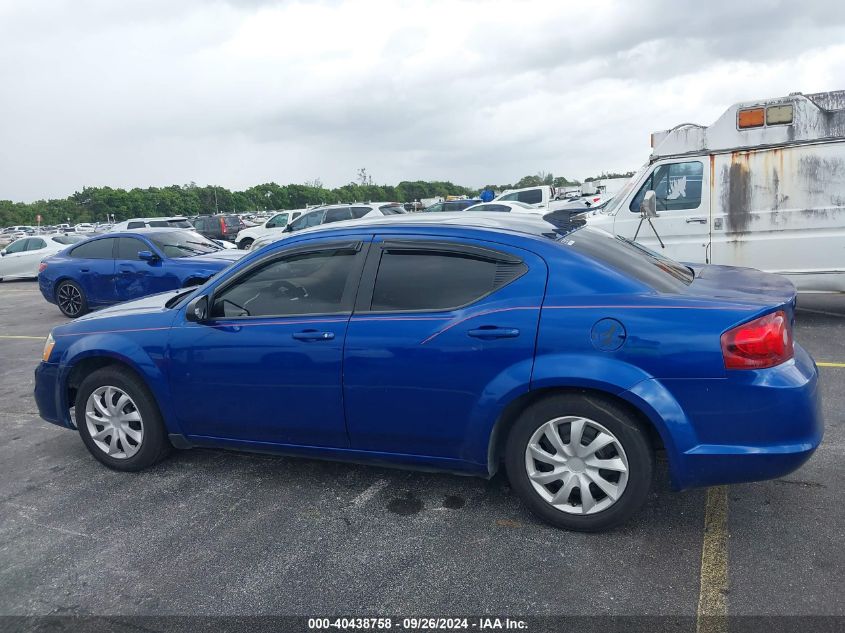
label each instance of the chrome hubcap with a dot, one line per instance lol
(577, 465)
(114, 422)
(70, 299)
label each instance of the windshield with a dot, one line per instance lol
(183, 243)
(632, 259)
(622, 194)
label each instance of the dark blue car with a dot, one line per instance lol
(456, 342)
(120, 267)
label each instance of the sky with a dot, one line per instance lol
(241, 92)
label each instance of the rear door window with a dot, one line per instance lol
(135, 225)
(336, 215)
(95, 249)
(35, 244)
(360, 212)
(426, 278)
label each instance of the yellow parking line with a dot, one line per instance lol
(34, 338)
(831, 364)
(712, 614)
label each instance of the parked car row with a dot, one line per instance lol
(325, 215)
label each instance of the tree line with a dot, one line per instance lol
(101, 204)
(98, 204)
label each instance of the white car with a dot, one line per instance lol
(513, 206)
(246, 237)
(84, 227)
(329, 214)
(16, 229)
(176, 222)
(21, 258)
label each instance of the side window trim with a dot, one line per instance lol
(358, 246)
(368, 277)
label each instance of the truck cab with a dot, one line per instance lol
(763, 187)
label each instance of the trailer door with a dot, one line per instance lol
(683, 208)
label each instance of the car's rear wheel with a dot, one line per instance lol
(245, 243)
(579, 462)
(119, 421)
(71, 299)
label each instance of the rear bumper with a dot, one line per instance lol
(46, 288)
(750, 426)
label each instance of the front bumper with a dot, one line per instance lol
(48, 396)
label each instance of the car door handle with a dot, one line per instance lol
(699, 220)
(313, 335)
(85, 270)
(493, 331)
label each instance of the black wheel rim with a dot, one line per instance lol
(70, 299)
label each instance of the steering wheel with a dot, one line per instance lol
(291, 289)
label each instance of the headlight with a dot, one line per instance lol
(49, 344)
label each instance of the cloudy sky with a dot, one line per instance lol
(155, 92)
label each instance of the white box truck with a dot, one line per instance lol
(763, 187)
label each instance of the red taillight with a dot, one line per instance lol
(761, 343)
(222, 227)
(42, 267)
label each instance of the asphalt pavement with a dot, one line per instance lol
(225, 533)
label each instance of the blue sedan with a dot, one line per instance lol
(461, 343)
(123, 266)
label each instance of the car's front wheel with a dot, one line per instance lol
(245, 243)
(579, 462)
(71, 299)
(119, 421)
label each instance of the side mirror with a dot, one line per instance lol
(148, 256)
(197, 310)
(287, 229)
(648, 207)
(3, 253)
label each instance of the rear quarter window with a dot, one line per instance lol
(95, 249)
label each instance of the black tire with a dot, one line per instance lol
(154, 445)
(76, 304)
(627, 431)
(245, 243)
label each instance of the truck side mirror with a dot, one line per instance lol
(648, 207)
